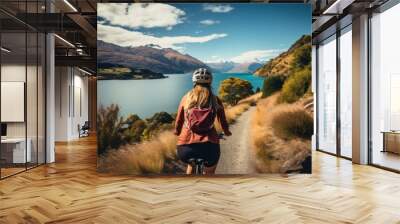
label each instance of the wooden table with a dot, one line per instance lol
(391, 141)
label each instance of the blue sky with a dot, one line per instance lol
(238, 32)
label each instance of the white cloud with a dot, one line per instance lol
(209, 22)
(214, 59)
(127, 38)
(136, 15)
(217, 8)
(256, 56)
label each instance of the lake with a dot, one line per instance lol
(147, 97)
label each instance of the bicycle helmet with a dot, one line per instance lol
(202, 76)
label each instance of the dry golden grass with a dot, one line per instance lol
(233, 112)
(251, 99)
(274, 154)
(292, 121)
(148, 157)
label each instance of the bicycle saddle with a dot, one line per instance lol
(200, 161)
(196, 161)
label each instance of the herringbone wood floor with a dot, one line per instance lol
(71, 191)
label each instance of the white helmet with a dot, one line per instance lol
(202, 75)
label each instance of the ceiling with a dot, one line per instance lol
(75, 21)
(330, 15)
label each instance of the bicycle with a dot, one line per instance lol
(198, 164)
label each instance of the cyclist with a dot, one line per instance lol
(194, 124)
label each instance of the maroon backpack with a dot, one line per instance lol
(201, 120)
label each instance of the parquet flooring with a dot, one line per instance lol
(71, 191)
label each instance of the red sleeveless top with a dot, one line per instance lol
(186, 136)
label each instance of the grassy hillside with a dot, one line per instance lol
(281, 135)
(282, 64)
(282, 125)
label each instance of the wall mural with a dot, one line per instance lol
(204, 88)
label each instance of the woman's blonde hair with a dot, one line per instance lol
(199, 96)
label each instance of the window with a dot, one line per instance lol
(22, 77)
(327, 95)
(346, 92)
(385, 89)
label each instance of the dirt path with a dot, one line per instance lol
(235, 150)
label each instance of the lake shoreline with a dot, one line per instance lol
(145, 97)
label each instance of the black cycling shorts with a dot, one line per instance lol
(208, 151)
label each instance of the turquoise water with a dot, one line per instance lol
(146, 97)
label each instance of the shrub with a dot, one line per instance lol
(296, 85)
(150, 157)
(133, 128)
(232, 90)
(109, 126)
(272, 84)
(114, 131)
(272, 153)
(158, 122)
(293, 123)
(302, 56)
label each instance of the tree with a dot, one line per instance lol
(272, 84)
(232, 90)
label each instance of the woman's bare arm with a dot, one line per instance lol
(180, 118)
(222, 118)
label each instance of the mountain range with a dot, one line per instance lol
(234, 67)
(151, 57)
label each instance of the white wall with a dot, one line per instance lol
(12, 73)
(71, 102)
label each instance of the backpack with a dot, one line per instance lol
(201, 120)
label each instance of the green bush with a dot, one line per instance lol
(302, 56)
(133, 128)
(296, 85)
(291, 124)
(272, 84)
(113, 130)
(232, 90)
(158, 122)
